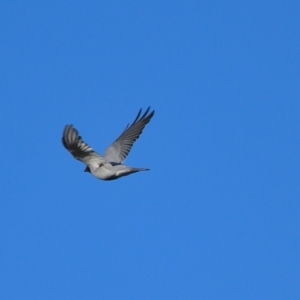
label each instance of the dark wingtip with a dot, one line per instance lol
(144, 116)
(66, 135)
(63, 139)
(138, 118)
(151, 114)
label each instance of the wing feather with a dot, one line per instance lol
(78, 148)
(121, 147)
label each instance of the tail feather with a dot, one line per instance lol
(139, 169)
(127, 171)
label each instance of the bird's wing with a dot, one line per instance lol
(78, 148)
(121, 147)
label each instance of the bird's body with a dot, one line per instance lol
(111, 172)
(109, 166)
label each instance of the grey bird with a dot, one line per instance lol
(110, 166)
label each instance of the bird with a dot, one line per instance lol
(109, 166)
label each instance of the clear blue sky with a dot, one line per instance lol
(217, 217)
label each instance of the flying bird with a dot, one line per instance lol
(110, 166)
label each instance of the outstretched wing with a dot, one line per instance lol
(121, 147)
(78, 148)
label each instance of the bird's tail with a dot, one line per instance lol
(138, 169)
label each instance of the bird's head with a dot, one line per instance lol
(87, 169)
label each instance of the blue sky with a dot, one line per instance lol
(217, 217)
